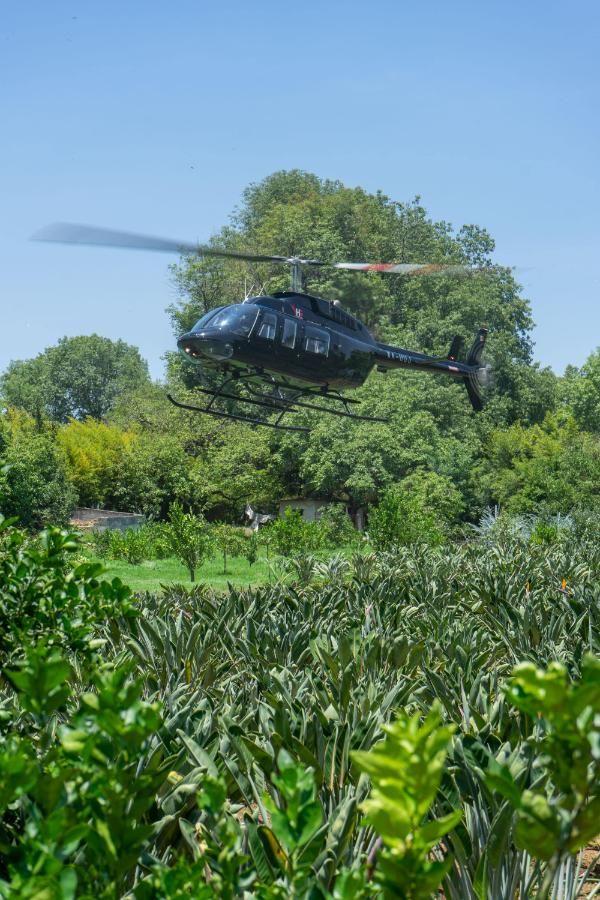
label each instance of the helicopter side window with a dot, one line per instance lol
(267, 326)
(316, 341)
(288, 335)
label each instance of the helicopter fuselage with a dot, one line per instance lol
(304, 340)
(285, 335)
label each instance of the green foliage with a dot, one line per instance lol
(229, 540)
(73, 812)
(291, 536)
(402, 518)
(581, 391)
(336, 526)
(405, 772)
(190, 538)
(94, 452)
(35, 486)
(43, 599)
(559, 814)
(237, 468)
(296, 212)
(152, 475)
(250, 547)
(133, 545)
(79, 377)
(552, 465)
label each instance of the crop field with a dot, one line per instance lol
(207, 743)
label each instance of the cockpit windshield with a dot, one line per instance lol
(203, 322)
(238, 319)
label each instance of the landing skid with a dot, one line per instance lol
(279, 401)
(224, 415)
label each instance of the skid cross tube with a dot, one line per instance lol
(287, 404)
(224, 415)
(318, 392)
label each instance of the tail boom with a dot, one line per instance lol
(388, 357)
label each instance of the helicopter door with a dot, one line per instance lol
(289, 333)
(263, 338)
(266, 327)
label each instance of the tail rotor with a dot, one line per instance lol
(480, 376)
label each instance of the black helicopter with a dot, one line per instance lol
(289, 350)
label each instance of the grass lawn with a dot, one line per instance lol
(148, 576)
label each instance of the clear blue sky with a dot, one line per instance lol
(154, 116)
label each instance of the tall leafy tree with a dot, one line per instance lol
(79, 377)
(35, 487)
(581, 391)
(94, 452)
(552, 466)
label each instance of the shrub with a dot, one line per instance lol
(133, 545)
(336, 527)
(35, 489)
(229, 540)
(43, 598)
(291, 536)
(401, 519)
(250, 547)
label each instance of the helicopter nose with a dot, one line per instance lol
(198, 346)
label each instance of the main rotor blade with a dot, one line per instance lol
(408, 268)
(68, 233)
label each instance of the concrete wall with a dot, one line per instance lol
(101, 519)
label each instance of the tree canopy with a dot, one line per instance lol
(79, 377)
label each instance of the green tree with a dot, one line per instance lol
(229, 540)
(94, 451)
(36, 486)
(581, 391)
(234, 469)
(292, 537)
(190, 538)
(215, 466)
(79, 377)
(297, 213)
(402, 518)
(151, 475)
(552, 466)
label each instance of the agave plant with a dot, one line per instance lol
(307, 674)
